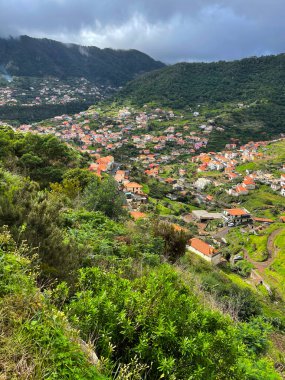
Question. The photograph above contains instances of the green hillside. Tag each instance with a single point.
(32, 57)
(190, 83)
(246, 95)
(36, 339)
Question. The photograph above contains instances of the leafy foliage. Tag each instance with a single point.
(256, 83)
(36, 340)
(43, 158)
(143, 316)
(187, 83)
(159, 320)
(104, 196)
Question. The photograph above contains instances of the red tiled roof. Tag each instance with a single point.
(105, 160)
(236, 211)
(202, 247)
(138, 215)
(240, 189)
(248, 181)
(133, 184)
(263, 220)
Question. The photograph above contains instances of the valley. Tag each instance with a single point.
(142, 216)
(161, 163)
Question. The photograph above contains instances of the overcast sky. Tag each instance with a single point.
(168, 30)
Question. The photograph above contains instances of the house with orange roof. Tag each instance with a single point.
(248, 183)
(263, 220)
(152, 172)
(238, 191)
(105, 163)
(204, 250)
(236, 216)
(133, 187)
(202, 168)
(138, 215)
(120, 176)
(232, 176)
(229, 169)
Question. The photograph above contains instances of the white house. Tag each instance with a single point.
(204, 250)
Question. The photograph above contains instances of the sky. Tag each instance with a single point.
(168, 30)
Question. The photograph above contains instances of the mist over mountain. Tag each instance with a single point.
(32, 57)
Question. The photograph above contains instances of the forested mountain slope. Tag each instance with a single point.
(246, 96)
(182, 84)
(32, 57)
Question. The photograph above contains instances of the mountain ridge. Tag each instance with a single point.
(183, 83)
(245, 97)
(27, 56)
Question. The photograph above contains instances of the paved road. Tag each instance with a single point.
(221, 234)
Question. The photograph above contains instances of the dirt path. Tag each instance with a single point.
(261, 266)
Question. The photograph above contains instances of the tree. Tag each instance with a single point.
(174, 240)
(69, 187)
(104, 196)
(83, 176)
(44, 231)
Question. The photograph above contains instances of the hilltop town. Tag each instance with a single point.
(31, 92)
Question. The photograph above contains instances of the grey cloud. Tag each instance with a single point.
(168, 30)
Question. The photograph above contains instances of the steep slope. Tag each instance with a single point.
(31, 57)
(36, 340)
(146, 318)
(187, 83)
(246, 97)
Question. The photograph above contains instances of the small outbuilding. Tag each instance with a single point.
(204, 250)
(205, 216)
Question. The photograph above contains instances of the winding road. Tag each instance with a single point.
(272, 251)
(256, 274)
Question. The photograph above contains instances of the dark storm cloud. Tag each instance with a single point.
(168, 30)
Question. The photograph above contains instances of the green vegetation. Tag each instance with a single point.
(147, 309)
(28, 114)
(247, 242)
(275, 274)
(102, 66)
(191, 83)
(257, 247)
(273, 156)
(207, 346)
(248, 166)
(245, 97)
(43, 158)
(264, 202)
(36, 339)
